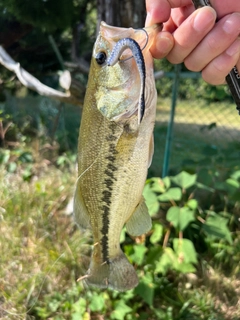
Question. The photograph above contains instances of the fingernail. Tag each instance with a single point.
(204, 18)
(163, 44)
(234, 49)
(232, 24)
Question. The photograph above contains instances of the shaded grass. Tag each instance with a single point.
(198, 126)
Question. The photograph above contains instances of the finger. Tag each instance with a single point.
(216, 71)
(170, 26)
(162, 45)
(217, 41)
(238, 65)
(190, 33)
(159, 10)
(178, 15)
(181, 14)
(225, 7)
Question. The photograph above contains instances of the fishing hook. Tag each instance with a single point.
(147, 37)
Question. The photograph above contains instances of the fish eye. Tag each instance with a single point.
(101, 57)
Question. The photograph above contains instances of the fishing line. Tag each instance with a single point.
(87, 168)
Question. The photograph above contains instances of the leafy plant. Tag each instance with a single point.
(195, 231)
(171, 202)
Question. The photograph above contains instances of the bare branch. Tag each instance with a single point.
(33, 83)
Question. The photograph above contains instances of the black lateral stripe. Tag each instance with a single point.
(107, 192)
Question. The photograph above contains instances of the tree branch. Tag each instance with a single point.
(33, 83)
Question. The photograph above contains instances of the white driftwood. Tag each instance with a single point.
(33, 83)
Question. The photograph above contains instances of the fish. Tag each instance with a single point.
(115, 149)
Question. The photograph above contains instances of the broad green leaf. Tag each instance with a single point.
(154, 253)
(151, 200)
(180, 217)
(192, 204)
(86, 316)
(166, 262)
(79, 307)
(184, 267)
(157, 233)
(174, 194)
(146, 289)
(186, 216)
(233, 183)
(158, 185)
(26, 157)
(184, 179)
(4, 156)
(173, 215)
(185, 250)
(54, 305)
(76, 316)
(12, 166)
(167, 182)
(97, 303)
(232, 187)
(120, 310)
(216, 227)
(138, 254)
(236, 175)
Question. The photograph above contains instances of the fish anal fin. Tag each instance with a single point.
(80, 212)
(117, 274)
(140, 221)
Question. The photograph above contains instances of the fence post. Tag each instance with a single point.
(167, 151)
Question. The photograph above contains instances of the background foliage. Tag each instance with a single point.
(188, 265)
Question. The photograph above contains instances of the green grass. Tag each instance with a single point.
(40, 249)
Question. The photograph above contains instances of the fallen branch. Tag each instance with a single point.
(33, 83)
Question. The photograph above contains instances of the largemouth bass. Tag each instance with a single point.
(114, 152)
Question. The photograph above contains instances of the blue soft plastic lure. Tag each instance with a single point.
(119, 48)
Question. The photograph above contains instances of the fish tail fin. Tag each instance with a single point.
(117, 274)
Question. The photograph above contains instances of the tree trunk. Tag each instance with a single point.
(125, 13)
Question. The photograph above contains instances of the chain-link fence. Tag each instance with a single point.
(202, 133)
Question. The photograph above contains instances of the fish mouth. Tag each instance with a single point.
(122, 83)
(139, 35)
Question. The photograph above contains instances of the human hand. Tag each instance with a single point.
(199, 42)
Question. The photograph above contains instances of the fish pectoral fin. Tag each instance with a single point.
(140, 221)
(80, 212)
(151, 151)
